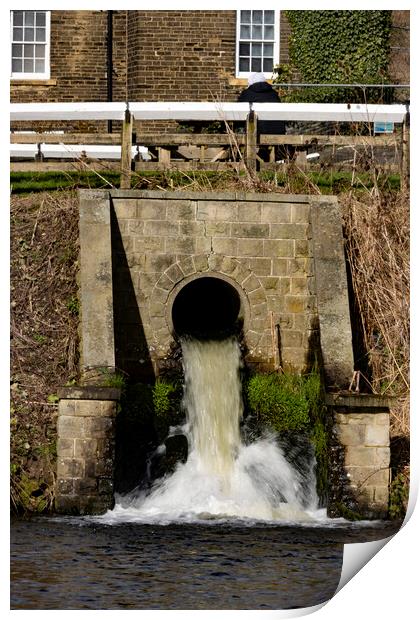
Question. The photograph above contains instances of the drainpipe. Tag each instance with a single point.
(109, 67)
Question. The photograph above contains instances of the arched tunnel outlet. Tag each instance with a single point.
(157, 264)
(206, 308)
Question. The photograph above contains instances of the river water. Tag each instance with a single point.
(237, 526)
(79, 563)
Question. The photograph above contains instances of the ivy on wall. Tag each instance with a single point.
(338, 47)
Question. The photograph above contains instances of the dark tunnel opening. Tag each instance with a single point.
(207, 308)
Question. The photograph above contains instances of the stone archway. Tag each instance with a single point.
(252, 311)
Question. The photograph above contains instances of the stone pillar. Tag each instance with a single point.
(360, 460)
(332, 292)
(96, 291)
(85, 450)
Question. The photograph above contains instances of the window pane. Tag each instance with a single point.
(29, 34)
(269, 17)
(40, 18)
(39, 51)
(257, 32)
(17, 65)
(28, 51)
(40, 35)
(28, 66)
(267, 65)
(256, 64)
(18, 18)
(39, 65)
(268, 49)
(268, 32)
(244, 64)
(245, 32)
(17, 34)
(257, 17)
(17, 50)
(245, 17)
(29, 18)
(256, 49)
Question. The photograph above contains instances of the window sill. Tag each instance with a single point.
(238, 81)
(26, 82)
(243, 81)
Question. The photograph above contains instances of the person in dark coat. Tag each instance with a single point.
(260, 91)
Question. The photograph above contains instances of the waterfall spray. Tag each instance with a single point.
(223, 478)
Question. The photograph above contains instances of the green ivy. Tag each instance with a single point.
(164, 397)
(338, 47)
(398, 496)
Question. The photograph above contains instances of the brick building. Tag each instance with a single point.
(155, 55)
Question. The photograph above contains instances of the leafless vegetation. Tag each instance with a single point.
(377, 232)
(44, 254)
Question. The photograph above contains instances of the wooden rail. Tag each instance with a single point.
(207, 151)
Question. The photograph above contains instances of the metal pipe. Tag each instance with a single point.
(109, 68)
(278, 84)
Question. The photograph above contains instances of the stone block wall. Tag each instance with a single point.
(85, 450)
(361, 453)
(260, 244)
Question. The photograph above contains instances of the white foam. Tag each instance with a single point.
(222, 479)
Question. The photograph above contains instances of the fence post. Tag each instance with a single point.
(251, 141)
(405, 156)
(126, 142)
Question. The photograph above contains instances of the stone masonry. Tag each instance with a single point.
(85, 450)
(283, 258)
(362, 452)
(261, 244)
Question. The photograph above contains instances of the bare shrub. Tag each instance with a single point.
(377, 239)
(44, 331)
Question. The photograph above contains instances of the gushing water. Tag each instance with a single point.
(223, 478)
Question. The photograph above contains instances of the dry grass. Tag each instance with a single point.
(44, 324)
(377, 232)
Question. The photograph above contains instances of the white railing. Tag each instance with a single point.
(187, 111)
(207, 111)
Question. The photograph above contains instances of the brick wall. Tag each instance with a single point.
(181, 55)
(399, 69)
(78, 65)
(157, 55)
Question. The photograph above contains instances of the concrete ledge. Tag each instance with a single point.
(180, 195)
(89, 393)
(359, 401)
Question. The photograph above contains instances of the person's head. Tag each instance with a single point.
(254, 78)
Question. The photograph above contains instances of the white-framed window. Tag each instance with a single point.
(257, 42)
(30, 45)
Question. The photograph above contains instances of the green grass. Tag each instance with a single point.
(25, 182)
(279, 401)
(331, 182)
(326, 182)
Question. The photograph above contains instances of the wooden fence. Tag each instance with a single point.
(126, 151)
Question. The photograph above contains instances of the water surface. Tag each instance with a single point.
(73, 563)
